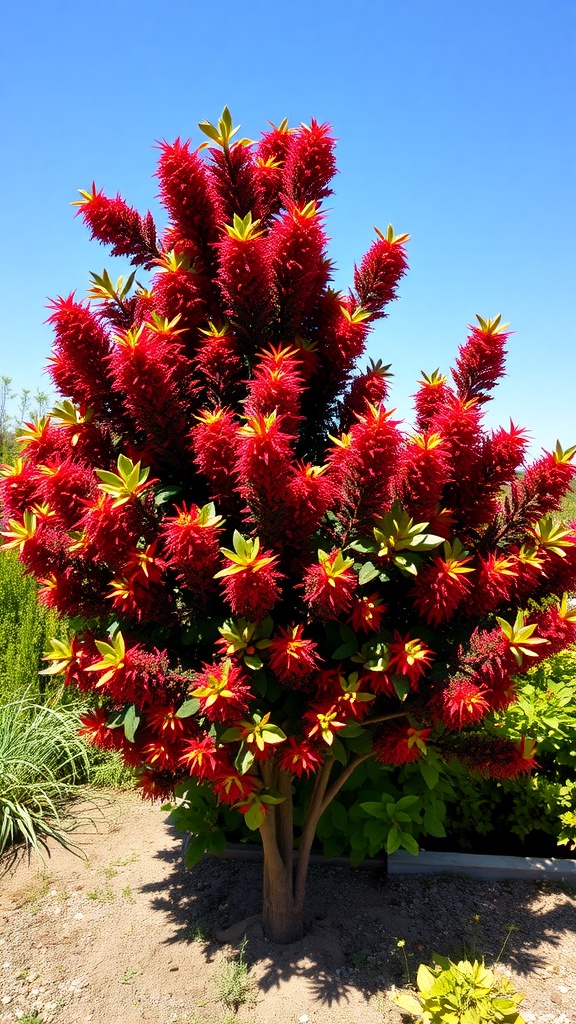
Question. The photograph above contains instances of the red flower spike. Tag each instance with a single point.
(191, 543)
(548, 479)
(115, 223)
(329, 586)
(202, 758)
(380, 271)
(292, 659)
(193, 205)
(218, 363)
(325, 721)
(401, 744)
(425, 472)
(431, 398)
(96, 731)
(409, 657)
(231, 787)
(440, 587)
(263, 464)
(245, 279)
(480, 362)
(150, 367)
(365, 466)
(296, 248)
(179, 291)
(215, 445)
(164, 722)
(223, 691)
(464, 702)
(251, 581)
(369, 388)
(156, 785)
(367, 613)
(309, 164)
(275, 388)
(78, 365)
(300, 758)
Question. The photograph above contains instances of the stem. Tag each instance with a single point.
(386, 718)
(308, 833)
(337, 785)
(284, 821)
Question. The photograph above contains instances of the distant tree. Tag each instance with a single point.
(273, 582)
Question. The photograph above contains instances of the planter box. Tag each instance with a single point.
(475, 865)
(479, 865)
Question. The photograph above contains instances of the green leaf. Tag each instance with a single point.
(347, 634)
(244, 760)
(131, 723)
(231, 735)
(217, 842)
(195, 850)
(338, 815)
(430, 774)
(254, 817)
(165, 494)
(272, 797)
(402, 686)
(351, 730)
(188, 708)
(345, 651)
(433, 825)
(357, 856)
(253, 662)
(406, 801)
(394, 840)
(367, 572)
(408, 1003)
(338, 751)
(361, 744)
(365, 545)
(375, 809)
(409, 843)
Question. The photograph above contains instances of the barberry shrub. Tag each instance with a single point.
(272, 581)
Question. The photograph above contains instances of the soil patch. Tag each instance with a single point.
(124, 935)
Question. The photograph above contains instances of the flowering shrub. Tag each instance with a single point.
(273, 581)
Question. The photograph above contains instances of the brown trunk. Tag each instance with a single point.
(284, 888)
(281, 921)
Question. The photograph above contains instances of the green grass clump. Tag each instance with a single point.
(42, 761)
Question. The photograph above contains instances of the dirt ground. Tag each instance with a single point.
(124, 935)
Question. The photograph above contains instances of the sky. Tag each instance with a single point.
(455, 122)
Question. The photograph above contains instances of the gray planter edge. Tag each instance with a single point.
(484, 866)
(473, 865)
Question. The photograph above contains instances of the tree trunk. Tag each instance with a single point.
(284, 888)
(283, 922)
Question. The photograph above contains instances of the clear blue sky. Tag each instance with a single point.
(455, 119)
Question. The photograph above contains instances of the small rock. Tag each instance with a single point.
(6, 1000)
(78, 917)
(562, 988)
(303, 1019)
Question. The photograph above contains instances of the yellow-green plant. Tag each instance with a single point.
(462, 993)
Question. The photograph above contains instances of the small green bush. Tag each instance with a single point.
(462, 993)
(25, 631)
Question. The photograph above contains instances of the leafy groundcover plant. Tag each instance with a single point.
(462, 993)
(276, 583)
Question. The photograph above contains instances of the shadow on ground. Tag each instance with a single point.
(356, 918)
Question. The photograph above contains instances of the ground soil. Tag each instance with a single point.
(125, 935)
